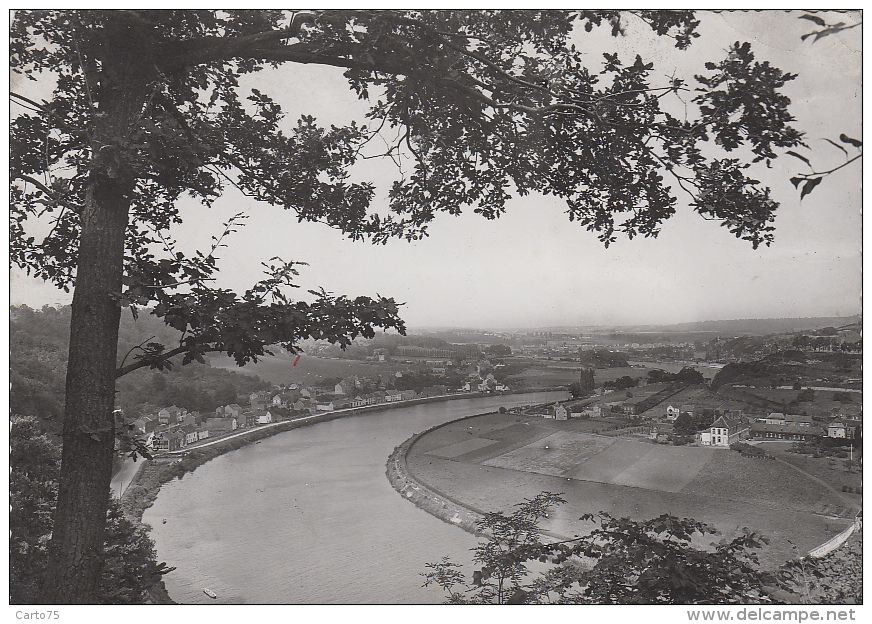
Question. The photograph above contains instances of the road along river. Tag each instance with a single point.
(308, 516)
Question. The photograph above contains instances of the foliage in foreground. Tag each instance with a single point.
(621, 561)
(130, 568)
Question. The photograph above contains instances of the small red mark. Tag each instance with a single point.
(297, 360)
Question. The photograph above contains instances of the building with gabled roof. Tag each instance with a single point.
(787, 431)
(726, 430)
(262, 416)
(562, 412)
(218, 426)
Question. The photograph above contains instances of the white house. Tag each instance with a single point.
(561, 412)
(838, 429)
(190, 434)
(726, 430)
(672, 413)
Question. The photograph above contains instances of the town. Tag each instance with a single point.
(796, 386)
(173, 427)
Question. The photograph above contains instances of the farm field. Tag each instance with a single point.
(829, 469)
(707, 372)
(698, 396)
(493, 462)
(821, 405)
(545, 373)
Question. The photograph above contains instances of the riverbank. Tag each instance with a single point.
(431, 499)
(143, 490)
(424, 497)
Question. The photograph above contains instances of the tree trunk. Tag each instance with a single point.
(75, 550)
(89, 428)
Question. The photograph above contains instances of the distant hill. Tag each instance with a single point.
(758, 327)
(38, 346)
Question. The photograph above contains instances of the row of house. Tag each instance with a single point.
(173, 427)
(733, 426)
(728, 429)
(381, 396)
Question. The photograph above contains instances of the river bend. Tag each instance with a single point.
(308, 516)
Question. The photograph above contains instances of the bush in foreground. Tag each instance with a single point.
(621, 561)
(130, 568)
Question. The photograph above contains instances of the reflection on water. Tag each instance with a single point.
(308, 516)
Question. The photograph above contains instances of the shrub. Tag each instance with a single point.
(646, 562)
(130, 567)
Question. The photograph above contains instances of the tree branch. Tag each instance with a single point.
(123, 370)
(820, 174)
(44, 109)
(132, 349)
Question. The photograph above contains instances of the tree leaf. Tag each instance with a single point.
(846, 139)
(800, 156)
(809, 186)
(796, 181)
(813, 18)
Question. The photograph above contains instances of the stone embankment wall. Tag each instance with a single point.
(831, 545)
(426, 497)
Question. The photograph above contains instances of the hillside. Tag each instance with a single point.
(759, 327)
(38, 345)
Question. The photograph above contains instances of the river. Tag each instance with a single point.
(308, 516)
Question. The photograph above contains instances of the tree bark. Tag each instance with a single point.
(89, 428)
(74, 569)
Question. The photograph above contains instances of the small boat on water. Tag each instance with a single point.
(210, 593)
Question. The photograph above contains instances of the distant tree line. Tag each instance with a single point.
(686, 375)
(622, 383)
(585, 384)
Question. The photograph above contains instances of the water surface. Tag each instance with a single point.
(308, 516)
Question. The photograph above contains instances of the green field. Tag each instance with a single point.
(492, 462)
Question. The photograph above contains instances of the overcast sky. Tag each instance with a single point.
(534, 268)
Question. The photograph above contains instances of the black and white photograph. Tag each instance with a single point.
(436, 306)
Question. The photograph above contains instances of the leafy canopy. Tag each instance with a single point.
(621, 561)
(486, 103)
